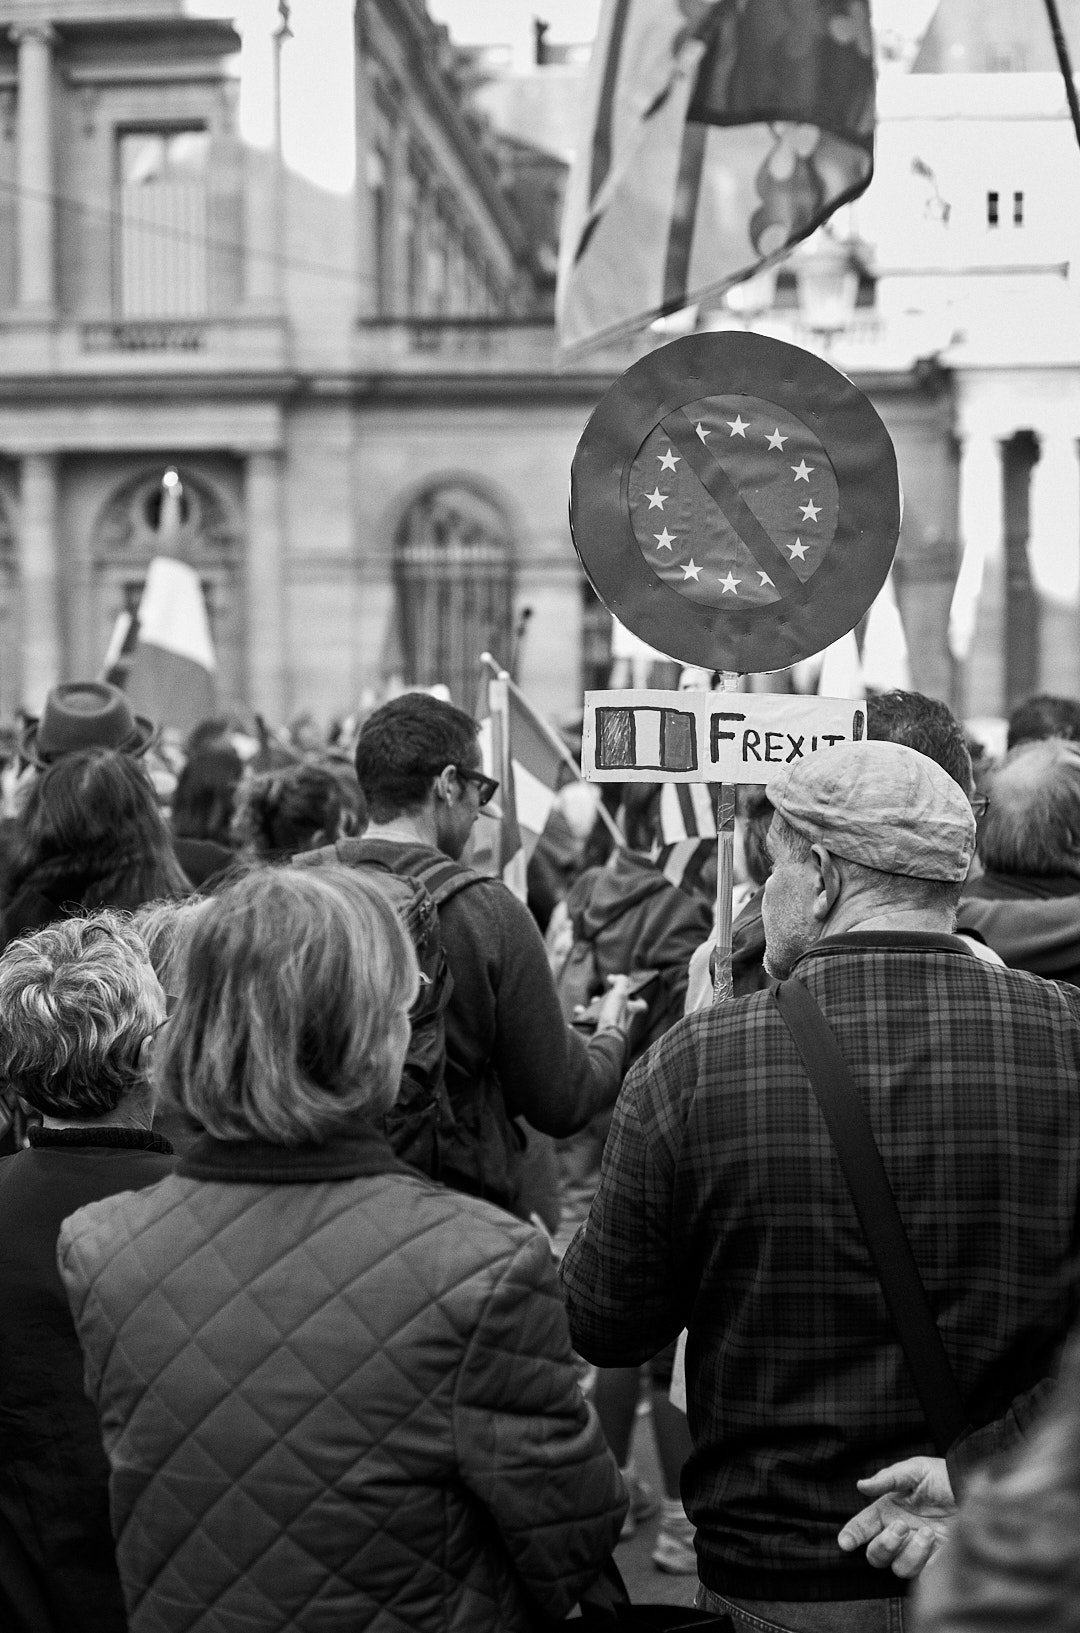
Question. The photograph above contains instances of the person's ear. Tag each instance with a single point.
(445, 785)
(828, 883)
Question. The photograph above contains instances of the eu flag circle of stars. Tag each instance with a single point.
(693, 539)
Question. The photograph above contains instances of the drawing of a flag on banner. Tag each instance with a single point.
(173, 672)
(518, 749)
(710, 147)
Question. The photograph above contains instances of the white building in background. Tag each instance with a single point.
(974, 215)
(329, 325)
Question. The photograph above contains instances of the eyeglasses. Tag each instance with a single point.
(980, 804)
(486, 787)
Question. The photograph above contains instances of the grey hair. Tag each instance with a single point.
(165, 928)
(77, 1001)
(1032, 824)
(291, 984)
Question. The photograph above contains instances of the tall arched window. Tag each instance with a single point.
(454, 576)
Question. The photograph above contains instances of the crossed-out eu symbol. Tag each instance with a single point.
(735, 502)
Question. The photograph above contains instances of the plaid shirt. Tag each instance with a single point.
(722, 1208)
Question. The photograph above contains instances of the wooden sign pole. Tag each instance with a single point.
(723, 986)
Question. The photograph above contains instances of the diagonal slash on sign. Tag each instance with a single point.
(719, 486)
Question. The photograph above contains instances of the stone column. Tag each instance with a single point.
(396, 187)
(38, 559)
(1054, 553)
(979, 598)
(267, 663)
(264, 199)
(36, 171)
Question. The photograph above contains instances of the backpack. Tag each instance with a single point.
(421, 1121)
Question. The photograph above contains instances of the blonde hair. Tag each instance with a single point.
(292, 984)
(76, 1002)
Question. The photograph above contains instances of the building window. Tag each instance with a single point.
(1018, 209)
(161, 223)
(454, 577)
(992, 200)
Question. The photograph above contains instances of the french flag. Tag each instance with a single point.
(173, 672)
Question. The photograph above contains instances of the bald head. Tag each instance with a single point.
(1033, 822)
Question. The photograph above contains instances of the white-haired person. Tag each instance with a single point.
(79, 1008)
(345, 1396)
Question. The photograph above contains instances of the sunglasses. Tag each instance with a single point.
(486, 787)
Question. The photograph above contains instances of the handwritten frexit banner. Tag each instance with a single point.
(641, 735)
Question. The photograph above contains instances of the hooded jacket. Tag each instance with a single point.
(635, 919)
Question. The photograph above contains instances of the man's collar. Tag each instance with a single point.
(895, 941)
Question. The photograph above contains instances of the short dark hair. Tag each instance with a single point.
(404, 745)
(1044, 716)
(924, 724)
(1033, 821)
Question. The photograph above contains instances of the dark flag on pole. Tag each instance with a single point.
(719, 133)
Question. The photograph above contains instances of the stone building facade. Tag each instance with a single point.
(272, 247)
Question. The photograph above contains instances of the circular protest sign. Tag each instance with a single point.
(735, 502)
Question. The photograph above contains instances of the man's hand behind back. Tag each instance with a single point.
(908, 1518)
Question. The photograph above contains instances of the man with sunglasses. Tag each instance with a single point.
(509, 1054)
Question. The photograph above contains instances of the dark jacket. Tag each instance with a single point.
(344, 1398)
(53, 1474)
(1032, 921)
(635, 919)
(509, 1053)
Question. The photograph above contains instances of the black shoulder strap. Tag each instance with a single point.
(444, 878)
(875, 1204)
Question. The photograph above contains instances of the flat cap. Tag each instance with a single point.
(880, 804)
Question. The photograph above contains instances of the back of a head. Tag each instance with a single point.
(404, 744)
(1044, 716)
(202, 805)
(1032, 824)
(924, 724)
(95, 812)
(279, 813)
(77, 1001)
(165, 928)
(262, 1047)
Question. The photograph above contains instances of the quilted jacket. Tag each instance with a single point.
(334, 1396)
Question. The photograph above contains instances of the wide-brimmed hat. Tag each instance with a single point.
(85, 714)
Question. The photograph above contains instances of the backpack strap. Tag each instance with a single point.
(445, 878)
(905, 1295)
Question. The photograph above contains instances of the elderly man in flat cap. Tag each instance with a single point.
(723, 1208)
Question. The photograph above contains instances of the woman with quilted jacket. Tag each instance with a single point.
(333, 1395)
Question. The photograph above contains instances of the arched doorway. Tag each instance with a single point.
(453, 570)
(125, 539)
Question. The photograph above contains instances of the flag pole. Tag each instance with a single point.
(723, 984)
(1062, 49)
(498, 673)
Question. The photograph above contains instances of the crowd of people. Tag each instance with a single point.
(351, 1208)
